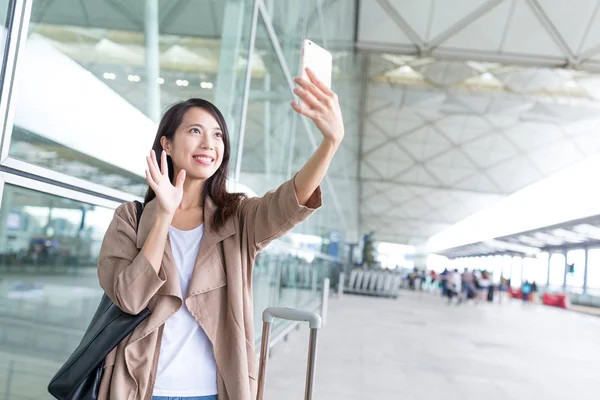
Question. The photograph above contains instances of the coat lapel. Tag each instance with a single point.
(171, 286)
(209, 270)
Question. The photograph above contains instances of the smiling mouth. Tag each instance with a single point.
(204, 159)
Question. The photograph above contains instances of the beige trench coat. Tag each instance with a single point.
(219, 294)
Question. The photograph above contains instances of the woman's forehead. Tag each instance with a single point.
(197, 115)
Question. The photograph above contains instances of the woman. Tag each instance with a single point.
(191, 259)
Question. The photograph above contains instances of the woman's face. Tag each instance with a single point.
(197, 145)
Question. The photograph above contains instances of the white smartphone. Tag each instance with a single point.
(319, 60)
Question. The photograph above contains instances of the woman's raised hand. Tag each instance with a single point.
(169, 197)
(320, 104)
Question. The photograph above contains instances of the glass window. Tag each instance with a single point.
(48, 284)
(516, 271)
(557, 271)
(535, 270)
(84, 98)
(506, 262)
(542, 276)
(4, 5)
(593, 275)
(290, 19)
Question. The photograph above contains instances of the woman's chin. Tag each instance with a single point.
(201, 175)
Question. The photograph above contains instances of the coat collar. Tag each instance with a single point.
(209, 270)
(151, 210)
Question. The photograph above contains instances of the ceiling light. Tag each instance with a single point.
(160, 81)
(487, 76)
(206, 85)
(133, 78)
(405, 69)
(109, 76)
(181, 82)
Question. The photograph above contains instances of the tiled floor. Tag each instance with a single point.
(419, 348)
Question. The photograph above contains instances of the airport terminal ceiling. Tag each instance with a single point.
(468, 102)
(464, 102)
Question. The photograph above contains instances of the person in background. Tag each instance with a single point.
(433, 278)
(468, 288)
(454, 288)
(534, 291)
(443, 278)
(502, 290)
(483, 283)
(491, 287)
(526, 292)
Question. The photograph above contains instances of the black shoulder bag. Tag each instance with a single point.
(80, 376)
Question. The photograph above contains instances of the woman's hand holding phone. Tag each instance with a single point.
(169, 196)
(320, 104)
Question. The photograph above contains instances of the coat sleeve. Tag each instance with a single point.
(267, 218)
(124, 273)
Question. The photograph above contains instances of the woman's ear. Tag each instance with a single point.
(166, 145)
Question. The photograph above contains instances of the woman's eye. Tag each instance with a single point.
(195, 130)
(219, 134)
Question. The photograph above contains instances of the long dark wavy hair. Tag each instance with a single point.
(215, 187)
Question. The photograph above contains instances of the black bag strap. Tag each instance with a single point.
(140, 209)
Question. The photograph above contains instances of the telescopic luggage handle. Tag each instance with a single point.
(289, 314)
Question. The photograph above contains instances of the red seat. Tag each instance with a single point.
(556, 300)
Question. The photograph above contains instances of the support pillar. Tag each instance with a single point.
(151, 24)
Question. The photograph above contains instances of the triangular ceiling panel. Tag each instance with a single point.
(372, 142)
(588, 143)
(406, 122)
(381, 168)
(450, 175)
(374, 130)
(371, 189)
(558, 10)
(379, 65)
(425, 143)
(399, 193)
(417, 175)
(448, 72)
(415, 12)
(515, 174)
(448, 13)
(526, 34)
(387, 93)
(441, 199)
(420, 190)
(471, 104)
(502, 121)
(485, 33)
(381, 27)
(490, 149)
(368, 171)
(426, 135)
(464, 122)
(592, 38)
(452, 159)
(416, 208)
(508, 107)
(390, 160)
(377, 105)
(423, 100)
(557, 156)
(478, 182)
(533, 135)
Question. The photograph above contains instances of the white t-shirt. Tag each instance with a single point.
(186, 363)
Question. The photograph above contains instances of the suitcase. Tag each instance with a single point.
(289, 314)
